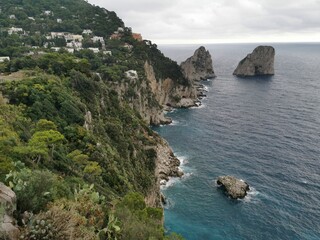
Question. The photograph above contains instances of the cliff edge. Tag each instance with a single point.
(259, 62)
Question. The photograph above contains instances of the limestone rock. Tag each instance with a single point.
(235, 188)
(199, 66)
(8, 229)
(186, 103)
(259, 62)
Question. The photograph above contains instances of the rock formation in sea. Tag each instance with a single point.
(259, 62)
(8, 228)
(235, 188)
(199, 66)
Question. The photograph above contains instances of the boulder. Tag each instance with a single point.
(235, 188)
(199, 66)
(259, 62)
(8, 228)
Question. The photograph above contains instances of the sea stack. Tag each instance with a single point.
(199, 66)
(234, 188)
(259, 62)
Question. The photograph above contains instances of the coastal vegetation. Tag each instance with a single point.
(78, 155)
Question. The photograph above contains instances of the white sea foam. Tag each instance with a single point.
(198, 107)
(172, 181)
(251, 195)
(174, 123)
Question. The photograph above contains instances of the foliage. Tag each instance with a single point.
(44, 122)
(35, 189)
(137, 220)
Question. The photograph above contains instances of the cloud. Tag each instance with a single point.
(219, 20)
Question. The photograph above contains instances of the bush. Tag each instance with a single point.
(35, 189)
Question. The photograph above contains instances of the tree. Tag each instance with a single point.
(49, 138)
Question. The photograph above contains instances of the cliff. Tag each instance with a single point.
(259, 62)
(199, 66)
(168, 92)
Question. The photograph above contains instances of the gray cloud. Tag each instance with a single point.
(220, 20)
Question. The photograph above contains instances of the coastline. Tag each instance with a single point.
(168, 165)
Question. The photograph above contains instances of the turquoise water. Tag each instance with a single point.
(263, 130)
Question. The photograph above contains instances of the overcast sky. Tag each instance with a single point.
(212, 21)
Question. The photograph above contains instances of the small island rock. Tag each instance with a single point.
(199, 66)
(235, 188)
(259, 62)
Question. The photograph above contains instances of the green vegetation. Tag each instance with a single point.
(73, 148)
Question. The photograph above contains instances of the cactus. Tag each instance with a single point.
(40, 229)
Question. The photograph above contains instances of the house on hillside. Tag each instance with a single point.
(47, 13)
(107, 53)
(59, 20)
(12, 16)
(13, 30)
(3, 59)
(97, 39)
(137, 36)
(95, 50)
(87, 32)
(115, 36)
(73, 37)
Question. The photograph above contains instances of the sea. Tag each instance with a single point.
(264, 130)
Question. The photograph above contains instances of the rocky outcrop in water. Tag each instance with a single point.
(235, 188)
(259, 62)
(8, 228)
(199, 66)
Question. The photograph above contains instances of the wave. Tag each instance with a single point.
(174, 123)
(251, 195)
(199, 107)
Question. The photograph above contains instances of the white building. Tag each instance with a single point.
(12, 16)
(74, 44)
(95, 50)
(87, 31)
(97, 39)
(73, 37)
(70, 50)
(2, 59)
(56, 48)
(13, 30)
(47, 13)
(31, 18)
(59, 20)
(57, 35)
(107, 53)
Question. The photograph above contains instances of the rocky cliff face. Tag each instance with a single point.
(150, 96)
(8, 228)
(259, 62)
(169, 93)
(199, 66)
(167, 165)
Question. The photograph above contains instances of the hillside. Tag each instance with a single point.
(78, 91)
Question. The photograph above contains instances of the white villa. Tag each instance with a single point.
(13, 30)
(95, 50)
(97, 39)
(87, 31)
(2, 59)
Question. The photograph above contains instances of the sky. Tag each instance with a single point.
(219, 21)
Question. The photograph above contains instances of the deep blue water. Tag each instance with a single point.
(263, 130)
